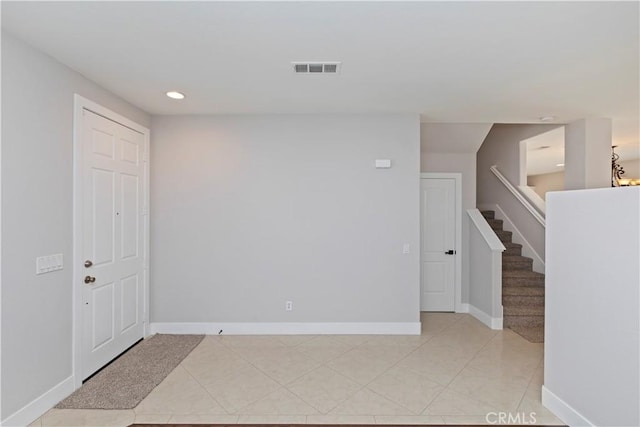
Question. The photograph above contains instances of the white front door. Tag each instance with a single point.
(113, 236)
(437, 197)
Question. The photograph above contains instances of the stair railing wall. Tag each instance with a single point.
(519, 196)
(533, 197)
(485, 263)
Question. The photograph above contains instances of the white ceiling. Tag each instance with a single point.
(473, 62)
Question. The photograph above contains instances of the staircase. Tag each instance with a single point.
(522, 288)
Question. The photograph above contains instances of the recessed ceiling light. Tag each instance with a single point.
(175, 95)
(547, 118)
(560, 164)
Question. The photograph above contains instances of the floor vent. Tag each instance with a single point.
(316, 67)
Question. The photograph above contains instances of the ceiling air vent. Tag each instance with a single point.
(316, 67)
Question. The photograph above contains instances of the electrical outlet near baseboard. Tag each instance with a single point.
(288, 306)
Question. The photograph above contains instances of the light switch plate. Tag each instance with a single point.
(49, 263)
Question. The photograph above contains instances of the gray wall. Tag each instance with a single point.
(587, 154)
(37, 125)
(250, 211)
(502, 148)
(592, 310)
(464, 163)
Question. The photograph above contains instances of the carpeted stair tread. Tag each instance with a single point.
(532, 334)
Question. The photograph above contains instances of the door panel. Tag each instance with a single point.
(129, 214)
(435, 276)
(102, 213)
(129, 292)
(113, 238)
(130, 152)
(103, 143)
(438, 237)
(102, 319)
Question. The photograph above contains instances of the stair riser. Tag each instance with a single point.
(523, 311)
(488, 214)
(512, 251)
(523, 275)
(533, 291)
(523, 301)
(504, 236)
(496, 224)
(528, 321)
(518, 281)
(517, 265)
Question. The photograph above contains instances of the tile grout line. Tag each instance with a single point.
(399, 361)
(467, 364)
(462, 369)
(529, 383)
(205, 389)
(284, 386)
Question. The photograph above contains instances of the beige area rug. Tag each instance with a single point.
(131, 377)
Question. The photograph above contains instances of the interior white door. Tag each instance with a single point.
(113, 180)
(438, 238)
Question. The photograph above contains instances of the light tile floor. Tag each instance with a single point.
(456, 372)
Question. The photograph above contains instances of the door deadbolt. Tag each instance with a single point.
(89, 279)
(88, 263)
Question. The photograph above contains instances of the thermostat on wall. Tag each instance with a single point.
(383, 163)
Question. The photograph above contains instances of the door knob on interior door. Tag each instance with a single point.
(88, 263)
(89, 279)
(450, 252)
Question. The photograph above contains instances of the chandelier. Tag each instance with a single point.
(617, 171)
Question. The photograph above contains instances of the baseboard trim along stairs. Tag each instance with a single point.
(522, 288)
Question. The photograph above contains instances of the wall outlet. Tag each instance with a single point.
(405, 248)
(288, 306)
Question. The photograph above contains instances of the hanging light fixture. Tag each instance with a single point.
(617, 171)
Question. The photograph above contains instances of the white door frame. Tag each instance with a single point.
(457, 177)
(79, 104)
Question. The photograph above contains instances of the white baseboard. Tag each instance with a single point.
(35, 409)
(288, 328)
(527, 249)
(492, 322)
(562, 410)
